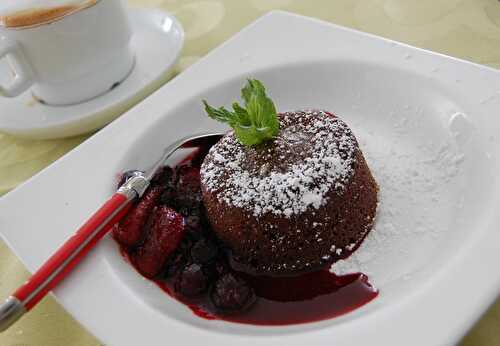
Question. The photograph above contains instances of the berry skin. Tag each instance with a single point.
(163, 239)
(188, 189)
(168, 197)
(192, 281)
(166, 179)
(175, 264)
(232, 294)
(203, 251)
(193, 222)
(221, 267)
(130, 230)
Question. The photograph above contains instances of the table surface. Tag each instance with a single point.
(468, 29)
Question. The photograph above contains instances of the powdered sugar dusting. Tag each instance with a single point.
(314, 153)
(416, 177)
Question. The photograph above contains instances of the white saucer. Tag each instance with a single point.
(158, 40)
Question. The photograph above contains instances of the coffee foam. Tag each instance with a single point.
(22, 13)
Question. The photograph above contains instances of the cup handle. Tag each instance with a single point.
(22, 72)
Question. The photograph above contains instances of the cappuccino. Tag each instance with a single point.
(29, 13)
(82, 53)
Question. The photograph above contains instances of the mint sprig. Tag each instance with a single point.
(253, 124)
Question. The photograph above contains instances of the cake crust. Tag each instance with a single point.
(293, 204)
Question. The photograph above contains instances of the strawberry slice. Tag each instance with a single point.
(164, 237)
(130, 230)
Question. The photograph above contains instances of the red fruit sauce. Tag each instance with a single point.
(307, 298)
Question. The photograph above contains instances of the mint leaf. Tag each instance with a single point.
(253, 124)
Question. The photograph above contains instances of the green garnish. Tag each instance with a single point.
(253, 124)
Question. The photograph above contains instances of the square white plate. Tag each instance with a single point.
(428, 125)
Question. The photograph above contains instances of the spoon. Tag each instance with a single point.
(60, 264)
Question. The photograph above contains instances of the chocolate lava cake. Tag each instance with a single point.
(292, 204)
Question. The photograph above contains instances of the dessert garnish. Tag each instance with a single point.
(253, 124)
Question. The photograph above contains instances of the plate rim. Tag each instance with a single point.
(477, 305)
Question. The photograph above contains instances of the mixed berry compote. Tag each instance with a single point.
(168, 239)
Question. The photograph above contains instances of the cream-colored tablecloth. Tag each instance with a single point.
(469, 29)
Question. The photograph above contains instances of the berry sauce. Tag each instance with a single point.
(196, 270)
(306, 298)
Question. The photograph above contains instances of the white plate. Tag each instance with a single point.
(157, 42)
(428, 124)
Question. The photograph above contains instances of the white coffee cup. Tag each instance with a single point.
(66, 51)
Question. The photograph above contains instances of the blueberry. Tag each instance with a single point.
(192, 281)
(175, 265)
(232, 294)
(210, 272)
(168, 197)
(216, 268)
(221, 267)
(186, 245)
(164, 176)
(203, 251)
(188, 187)
(192, 219)
(188, 202)
(204, 222)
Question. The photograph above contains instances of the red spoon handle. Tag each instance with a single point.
(73, 250)
(60, 264)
